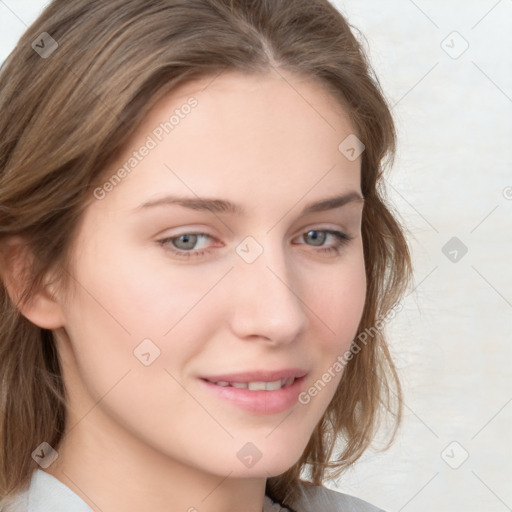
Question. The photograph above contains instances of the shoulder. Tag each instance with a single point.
(45, 493)
(16, 503)
(316, 497)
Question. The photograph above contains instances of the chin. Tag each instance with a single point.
(276, 463)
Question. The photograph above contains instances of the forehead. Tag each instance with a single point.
(267, 135)
(275, 87)
(233, 97)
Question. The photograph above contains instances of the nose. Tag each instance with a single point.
(266, 301)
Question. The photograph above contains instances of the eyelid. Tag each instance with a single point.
(196, 230)
(341, 236)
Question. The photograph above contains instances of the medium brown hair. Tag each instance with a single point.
(64, 118)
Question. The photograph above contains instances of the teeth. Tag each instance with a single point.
(259, 386)
(262, 386)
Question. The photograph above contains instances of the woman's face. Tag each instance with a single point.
(166, 295)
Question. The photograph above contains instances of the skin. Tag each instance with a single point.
(152, 437)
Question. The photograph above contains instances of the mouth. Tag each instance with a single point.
(261, 396)
(256, 385)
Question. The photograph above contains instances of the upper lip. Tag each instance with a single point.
(258, 376)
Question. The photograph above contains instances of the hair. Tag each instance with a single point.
(66, 116)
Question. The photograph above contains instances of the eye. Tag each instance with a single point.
(342, 239)
(189, 240)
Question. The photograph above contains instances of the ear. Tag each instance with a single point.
(42, 308)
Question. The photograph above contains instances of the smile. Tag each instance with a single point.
(258, 386)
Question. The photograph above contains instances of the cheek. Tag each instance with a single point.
(340, 302)
(109, 315)
(338, 309)
(122, 291)
(122, 301)
(105, 330)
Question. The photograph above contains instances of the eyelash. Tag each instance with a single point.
(343, 239)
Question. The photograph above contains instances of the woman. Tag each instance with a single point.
(193, 242)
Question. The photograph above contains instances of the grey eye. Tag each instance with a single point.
(190, 240)
(316, 237)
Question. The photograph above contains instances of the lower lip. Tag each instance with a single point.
(261, 402)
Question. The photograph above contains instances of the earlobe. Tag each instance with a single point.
(42, 308)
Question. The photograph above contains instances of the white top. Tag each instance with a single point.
(48, 494)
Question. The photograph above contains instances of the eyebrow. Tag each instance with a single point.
(224, 206)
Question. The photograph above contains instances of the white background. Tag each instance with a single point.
(452, 340)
